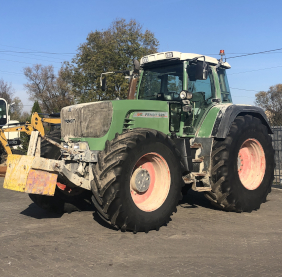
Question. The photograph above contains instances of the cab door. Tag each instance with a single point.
(203, 91)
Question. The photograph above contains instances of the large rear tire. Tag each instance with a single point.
(242, 166)
(137, 180)
(64, 200)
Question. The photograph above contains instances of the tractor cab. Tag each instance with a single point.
(190, 83)
(165, 75)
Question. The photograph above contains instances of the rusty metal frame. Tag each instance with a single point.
(19, 167)
(58, 166)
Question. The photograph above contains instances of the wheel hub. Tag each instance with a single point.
(251, 164)
(239, 162)
(150, 182)
(140, 180)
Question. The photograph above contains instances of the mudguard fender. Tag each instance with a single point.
(228, 114)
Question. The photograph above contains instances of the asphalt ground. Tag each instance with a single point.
(199, 241)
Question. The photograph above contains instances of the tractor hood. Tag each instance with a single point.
(86, 120)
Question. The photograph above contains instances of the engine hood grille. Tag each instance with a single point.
(86, 120)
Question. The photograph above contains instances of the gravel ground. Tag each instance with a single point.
(199, 241)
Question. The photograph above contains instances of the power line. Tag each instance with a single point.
(240, 53)
(238, 96)
(17, 47)
(19, 62)
(246, 89)
(255, 53)
(255, 70)
(35, 52)
(35, 58)
(53, 58)
(10, 72)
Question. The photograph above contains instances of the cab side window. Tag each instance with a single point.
(150, 85)
(224, 86)
(203, 89)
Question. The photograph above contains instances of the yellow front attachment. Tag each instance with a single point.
(18, 167)
(20, 176)
(41, 182)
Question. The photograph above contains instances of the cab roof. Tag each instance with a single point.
(175, 55)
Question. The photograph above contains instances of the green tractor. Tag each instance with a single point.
(177, 130)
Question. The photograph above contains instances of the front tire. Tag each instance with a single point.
(137, 180)
(242, 166)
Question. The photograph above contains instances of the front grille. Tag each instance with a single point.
(86, 120)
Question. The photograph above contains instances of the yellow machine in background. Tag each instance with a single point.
(19, 175)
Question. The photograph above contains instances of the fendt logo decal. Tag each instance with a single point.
(151, 114)
(70, 120)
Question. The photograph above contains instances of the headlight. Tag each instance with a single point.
(182, 94)
(189, 95)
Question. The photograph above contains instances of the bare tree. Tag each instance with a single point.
(64, 97)
(6, 91)
(271, 102)
(44, 86)
(16, 109)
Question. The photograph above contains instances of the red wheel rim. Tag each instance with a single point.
(158, 185)
(251, 164)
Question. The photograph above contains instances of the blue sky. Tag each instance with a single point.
(202, 27)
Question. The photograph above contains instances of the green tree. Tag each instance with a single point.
(110, 50)
(271, 102)
(36, 108)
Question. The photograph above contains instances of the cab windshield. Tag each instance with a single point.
(162, 83)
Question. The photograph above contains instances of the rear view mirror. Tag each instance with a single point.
(201, 71)
(104, 84)
(136, 66)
